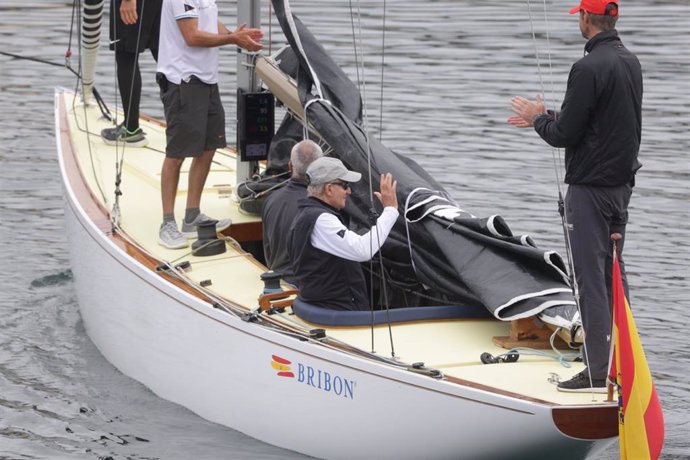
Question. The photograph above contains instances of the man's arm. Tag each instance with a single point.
(331, 236)
(243, 37)
(567, 128)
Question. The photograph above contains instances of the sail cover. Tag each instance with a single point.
(436, 246)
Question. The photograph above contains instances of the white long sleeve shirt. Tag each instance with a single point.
(331, 236)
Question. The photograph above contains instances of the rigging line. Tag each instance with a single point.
(77, 4)
(363, 91)
(365, 112)
(361, 83)
(120, 147)
(42, 61)
(555, 153)
(556, 156)
(115, 218)
(359, 87)
(558, 161)
(383, 66)
(382, 284)
(365, 118)
(354, 46)
(548, 55)
(136, 65)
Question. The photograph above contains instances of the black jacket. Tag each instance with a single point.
(277, 216)
(600, 121)
(324, 280)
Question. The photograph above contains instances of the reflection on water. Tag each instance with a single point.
(450, 68)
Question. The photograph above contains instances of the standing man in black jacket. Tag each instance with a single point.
(600, 126)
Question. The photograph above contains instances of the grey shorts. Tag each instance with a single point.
(195, 117)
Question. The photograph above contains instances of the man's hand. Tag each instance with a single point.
(387, 196)
(248, 39)
(525, 110)
(128, 12)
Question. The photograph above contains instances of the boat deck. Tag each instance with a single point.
(451, 346)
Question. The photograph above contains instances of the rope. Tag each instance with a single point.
(120, 147)
(77, 5)
(42, 61)
(383, 66)
(563, 359)
(557, 160)
(361, 80)
(555, 153)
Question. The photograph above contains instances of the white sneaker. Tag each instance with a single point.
(189, 229)
(170, 237)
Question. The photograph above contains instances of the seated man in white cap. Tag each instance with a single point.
(325, 255)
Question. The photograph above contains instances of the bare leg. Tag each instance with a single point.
(197, 177)
(170, 177)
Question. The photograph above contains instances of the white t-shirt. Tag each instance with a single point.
(331, 236)
(176, 60)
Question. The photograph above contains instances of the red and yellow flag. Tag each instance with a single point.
(640, 420)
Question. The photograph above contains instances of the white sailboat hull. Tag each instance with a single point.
(336, 405)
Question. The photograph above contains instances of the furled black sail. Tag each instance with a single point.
(437, 247)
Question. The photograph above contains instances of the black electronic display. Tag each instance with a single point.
(255, 124)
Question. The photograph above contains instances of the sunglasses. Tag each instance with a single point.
(344, 185)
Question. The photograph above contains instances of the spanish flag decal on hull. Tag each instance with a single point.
(282, 365)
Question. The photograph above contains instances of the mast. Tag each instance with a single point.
(249, 12)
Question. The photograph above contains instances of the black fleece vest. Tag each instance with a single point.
(324, 280)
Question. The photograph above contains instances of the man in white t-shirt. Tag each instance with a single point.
(188, 79)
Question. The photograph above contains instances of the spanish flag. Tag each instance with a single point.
(640, 420)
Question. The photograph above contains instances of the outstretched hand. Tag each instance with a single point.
(388, 196)
(248, 39)
(525, 110)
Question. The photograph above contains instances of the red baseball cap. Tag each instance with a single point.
(595, 7)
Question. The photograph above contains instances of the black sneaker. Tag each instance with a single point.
(580, 384)
(120, 135)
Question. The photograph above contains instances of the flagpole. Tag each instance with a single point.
(615, 237)
(640, 417)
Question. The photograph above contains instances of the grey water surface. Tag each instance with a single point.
(450, 68)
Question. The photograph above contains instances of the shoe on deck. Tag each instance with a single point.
(189, 229)
(170, 237)
(120, 135)
(580, 384)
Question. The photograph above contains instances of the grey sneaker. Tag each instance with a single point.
(189, 229)
(170, 237)
(120, 135)
(580, 384)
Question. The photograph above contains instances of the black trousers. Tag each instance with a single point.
(127, 41)
(593, 214)
(129, 83)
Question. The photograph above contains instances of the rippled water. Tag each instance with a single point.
(450, 68)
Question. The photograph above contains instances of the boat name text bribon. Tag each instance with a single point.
(317, 378)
